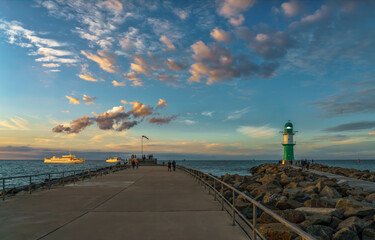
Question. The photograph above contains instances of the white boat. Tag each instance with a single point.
(64, 159)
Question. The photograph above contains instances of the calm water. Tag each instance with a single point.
(12, 168)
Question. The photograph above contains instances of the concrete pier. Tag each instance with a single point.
(147, 203)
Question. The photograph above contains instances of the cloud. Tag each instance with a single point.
(238, 114)
(88, 99)
(189, 122)
(118, 84)
(231, 9)
(134, 78)
(87, 78)
(291, 8)
(73, 100)
(162, 120)
(140, 65)
(124, 101)
(127, 125)
(140, 110)
(50, 65)
(220, 35)
(15, 123)
(351, 126)
(266, 42)
(167, 43)
(104, 59)
(175, 66)
(76, 125)
(168, 79)
(162, 103)
(217, 64)
(257, 132)
(207, 113)
(324, 13)
(182, 14)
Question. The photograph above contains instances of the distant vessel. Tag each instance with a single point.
(64, 159)
(113, 160)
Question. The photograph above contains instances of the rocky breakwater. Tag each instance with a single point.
(353, 173)
(317, 204)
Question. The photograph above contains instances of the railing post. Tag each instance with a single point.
(255, 220)
(209, 187)
(49, 181)
(214, 189)
(3, 189)
(222, 196)
(233, 210)
(30, 185)
(74, 177)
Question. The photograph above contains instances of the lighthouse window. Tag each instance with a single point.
(288, 127)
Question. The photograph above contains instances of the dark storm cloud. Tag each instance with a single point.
(352, 126)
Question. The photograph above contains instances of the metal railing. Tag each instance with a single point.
(65, 176)
(214, 184)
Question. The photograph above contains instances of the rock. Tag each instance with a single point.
(320, 185)
(335, 221)
(271, 187)
(228, 194)
(276, 231)
(241, 203)
(329, 192)
(370, 197)
(271, 198)
(345, 234)
(252, 186)
(267, 178)
(292, 216)
(237, 185)
(353, 223)
(319, 203)
(368, 234)
(283, 204)
(320, 232)
(265, 218)
(293, 193)
(322, 211)
(351, 207)
(355, 191)
(310, 189)
(291, 185)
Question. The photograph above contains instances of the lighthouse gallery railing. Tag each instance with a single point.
(250, 227)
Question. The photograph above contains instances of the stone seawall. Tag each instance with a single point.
(353, 173)
(317, 204)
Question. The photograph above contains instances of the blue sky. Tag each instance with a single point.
(215, 80)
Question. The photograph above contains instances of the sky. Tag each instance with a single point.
(201, 79)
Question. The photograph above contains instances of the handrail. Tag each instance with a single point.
(253, 226)
(81, 172)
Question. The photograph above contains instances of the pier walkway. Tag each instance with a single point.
(147, 203)
(365, 185)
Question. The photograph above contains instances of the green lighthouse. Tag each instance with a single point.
(288, 143)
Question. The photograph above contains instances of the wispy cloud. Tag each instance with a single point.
(232, 10)
(118, 84)
(257, 132)
(167, 43)
(162, 103)
(72, 100)
(189, 122)
(207, 113)
(238, 114)
(352, 126)
(104, 59)
(220, 35)
(88, 99)
(15, 123)
(87, 78)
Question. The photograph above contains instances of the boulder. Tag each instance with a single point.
(351, 207)
(252, 186)
(370, 198)
(267, 178)
(271, 198)
(310, 189)
(335, 221)
(329, 192)
(345, 234)
(291, 185)
(237, 184)
(368, 234)
(292, 216)
(320, 185)
(321, 211)
(276, 231)
(353, 223)
(265, 218)
(293, 193)
(283, 204)
(320, 232)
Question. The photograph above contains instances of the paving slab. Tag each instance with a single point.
(147, 203)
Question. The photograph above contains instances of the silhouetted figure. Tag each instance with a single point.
(174, 165)
(169, 166)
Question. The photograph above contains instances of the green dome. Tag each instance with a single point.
(288, 124)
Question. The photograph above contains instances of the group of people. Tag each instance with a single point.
(135, 164)
(170, 165)
(305, 164)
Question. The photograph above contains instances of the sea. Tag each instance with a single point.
(19, 168)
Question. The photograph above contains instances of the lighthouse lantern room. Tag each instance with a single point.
(288, 143)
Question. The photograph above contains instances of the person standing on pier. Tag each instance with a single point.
(169, 166)
(174, 165)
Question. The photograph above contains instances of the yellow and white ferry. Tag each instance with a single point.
(113, 160)
(64, 159)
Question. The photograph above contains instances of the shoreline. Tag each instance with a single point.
(319, 205)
